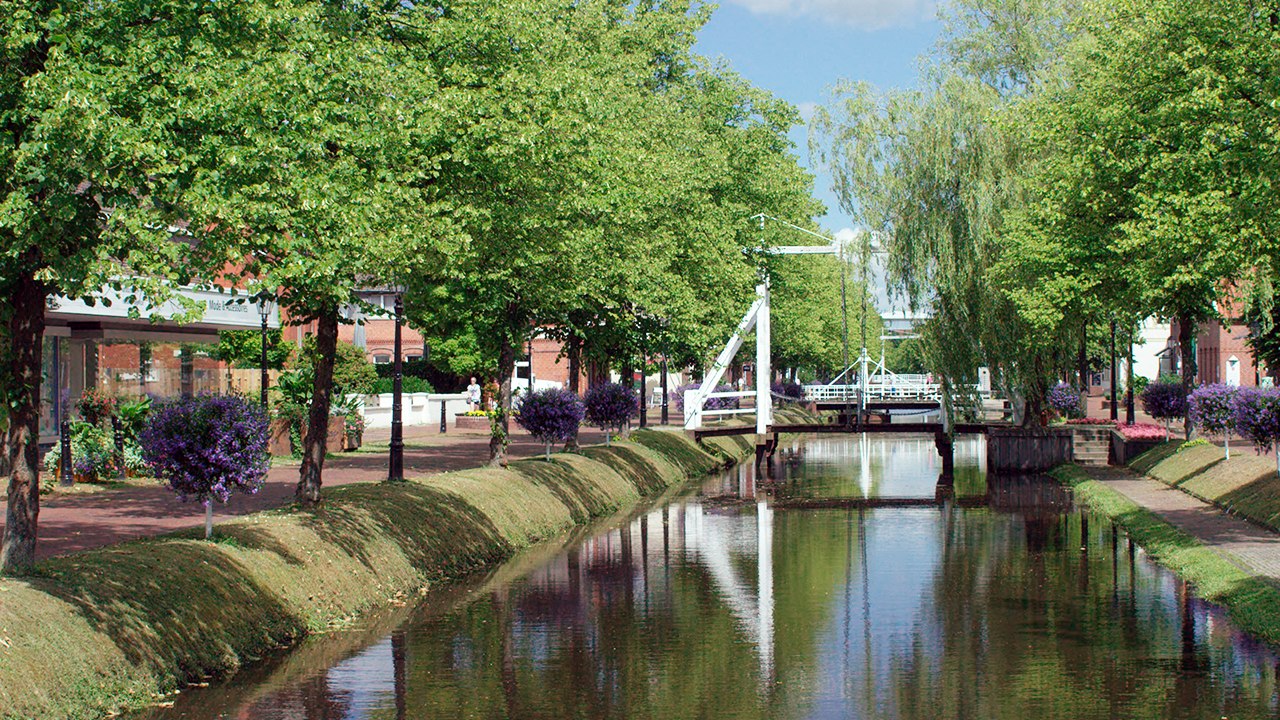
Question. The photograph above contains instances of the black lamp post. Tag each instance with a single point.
(529, 347)
(1129, 414)
(1115, 377)
(666, 416)
(644, 388)
(264, 310)
(395, 468)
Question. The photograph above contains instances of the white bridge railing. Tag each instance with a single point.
(903, 387)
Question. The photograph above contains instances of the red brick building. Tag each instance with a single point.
(1222, 354)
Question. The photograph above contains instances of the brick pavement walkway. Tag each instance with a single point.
(71, 523)
(1253, 548)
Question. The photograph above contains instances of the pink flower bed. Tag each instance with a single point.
(1088, 421)
(1141, 431)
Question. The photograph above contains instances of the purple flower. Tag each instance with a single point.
(712, 403)
(1257, 415)
(1063, 398)
(791, 390)
(1165, 401)
(208, 446)
(611, 405)
(551, 415)
(1212, 408)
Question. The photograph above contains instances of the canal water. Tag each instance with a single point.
(850, 584)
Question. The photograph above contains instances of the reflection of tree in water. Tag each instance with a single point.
(1026, 623)
(310, 699)
(602, 634)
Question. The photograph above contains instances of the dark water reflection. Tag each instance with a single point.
(724, 604)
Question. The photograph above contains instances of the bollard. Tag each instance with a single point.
(444, 424)
(64, 438)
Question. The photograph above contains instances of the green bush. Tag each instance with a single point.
(409, 384)
(93, 453)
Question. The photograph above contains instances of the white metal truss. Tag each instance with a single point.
(757, 318)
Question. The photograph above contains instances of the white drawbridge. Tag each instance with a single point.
(757, 318)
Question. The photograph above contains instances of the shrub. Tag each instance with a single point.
(93, 453)
(208, 446)
(1257, 417)
(95, 406)
(713, 403)
(551, 415)
(1064, 398)
(610, 406)
(1212, 409)
(788, 390)
(133, 417)
(1088, 421)
(1141, 431)
(408, 384)
(1165, 401)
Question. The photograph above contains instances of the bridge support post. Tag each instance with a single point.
(764, 401)
(947, 450)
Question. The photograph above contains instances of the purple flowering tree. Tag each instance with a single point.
(206, 447)
(1212, 410)
(1063, 398)
(1257, 417)
(712, 403)
(1165, 401)
(788, 390)
(551, 416)
(611, 406)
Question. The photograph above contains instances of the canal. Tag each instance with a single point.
(851, 585)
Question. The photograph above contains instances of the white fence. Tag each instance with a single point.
(416, 408)
(900, 387)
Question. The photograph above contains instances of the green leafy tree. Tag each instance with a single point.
(89, 127)
(314, 171)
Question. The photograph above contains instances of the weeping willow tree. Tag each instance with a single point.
(938, 172)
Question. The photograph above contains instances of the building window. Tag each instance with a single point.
(381, 359)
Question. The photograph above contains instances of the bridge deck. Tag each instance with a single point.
(821, 428)
(880, 404)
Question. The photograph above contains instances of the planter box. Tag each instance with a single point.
(1021, 450)
(279, 444)
(1123, 450)
(351, 441)
(335, 437)
(471, 424)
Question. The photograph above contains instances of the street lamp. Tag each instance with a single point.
(264, 310)
(395, 467)
(395, 463)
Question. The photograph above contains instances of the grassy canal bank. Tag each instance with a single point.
(1238, 486)
(100, 631)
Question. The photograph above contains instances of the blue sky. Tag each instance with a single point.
(797, 49)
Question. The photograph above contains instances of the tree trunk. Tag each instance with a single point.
(575, 365)
(498, 439)
(26, 335)
(317, 436)
(1082, 367)
(1187, 349)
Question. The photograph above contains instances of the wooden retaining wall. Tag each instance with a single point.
(1020, 450)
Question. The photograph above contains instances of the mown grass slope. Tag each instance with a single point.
(113, 628)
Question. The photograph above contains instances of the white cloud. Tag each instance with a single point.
(806, 110)
(862, 14)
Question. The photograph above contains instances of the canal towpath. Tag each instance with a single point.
(73, 522)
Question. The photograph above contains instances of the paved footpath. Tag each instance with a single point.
(74, 522)
(1254, 548)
